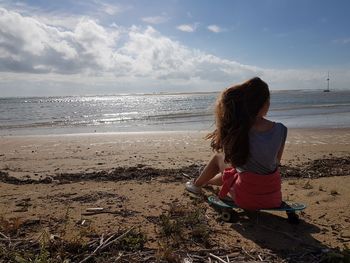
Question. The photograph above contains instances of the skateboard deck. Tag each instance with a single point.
(285, 206)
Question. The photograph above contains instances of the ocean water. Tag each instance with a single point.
(160, 112)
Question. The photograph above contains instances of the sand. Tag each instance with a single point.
(35, 156)
(137, 177)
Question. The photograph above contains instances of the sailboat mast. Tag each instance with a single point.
(328, 81)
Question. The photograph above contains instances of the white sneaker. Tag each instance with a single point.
(192, 188)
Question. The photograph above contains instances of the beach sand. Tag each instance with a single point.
(48, 182)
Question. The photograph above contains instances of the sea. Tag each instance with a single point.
(161, 112)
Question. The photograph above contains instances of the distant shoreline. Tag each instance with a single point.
(162, 93)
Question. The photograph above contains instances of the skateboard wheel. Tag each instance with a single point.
(293, 218)
(226, 216)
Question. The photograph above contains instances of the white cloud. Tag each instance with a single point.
(155, 19)
(42, 58)
(112, 10)
(215, 28)
(69, 15)
(187, 27)
(28, 45)
(67, 21)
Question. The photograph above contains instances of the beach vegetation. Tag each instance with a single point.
(182, 226)
(133, 241)
(167, 253)
(72, 243)
(10, 226)
(184, 222)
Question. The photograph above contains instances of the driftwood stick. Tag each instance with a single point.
(93, 253)
(14, 239)
(245, 252)
(105, 244)
(99, 212)
(119, 257)
(101, 240)
(186, 175)
(4, 236)
(107, 240)
(119, 237)
(94, 209)
(198, 257)
(217, 258)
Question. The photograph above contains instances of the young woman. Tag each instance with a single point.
(248, 148)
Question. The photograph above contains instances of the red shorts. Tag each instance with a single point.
(252, 191)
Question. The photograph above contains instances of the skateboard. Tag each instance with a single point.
(226, 208)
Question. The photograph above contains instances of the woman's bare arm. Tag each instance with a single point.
(280, 153)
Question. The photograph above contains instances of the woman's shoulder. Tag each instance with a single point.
(268, 127)
(282, 130)
(263, 125)
(274, 124)
(281, 126)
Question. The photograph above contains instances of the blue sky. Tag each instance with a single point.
(108, 47)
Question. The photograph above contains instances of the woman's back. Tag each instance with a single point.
(264, 146)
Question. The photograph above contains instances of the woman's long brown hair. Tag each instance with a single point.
(236, 111)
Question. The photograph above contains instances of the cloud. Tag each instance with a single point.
(187, 27)
(67, 15)
(59, 18)
(112, 10)
(215, 29)
(99, 59)
(66, 21)
(155, 19)
(31, 46)
(28, 45)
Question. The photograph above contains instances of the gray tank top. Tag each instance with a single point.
(264, 147)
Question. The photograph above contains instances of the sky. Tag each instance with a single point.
(88, 47)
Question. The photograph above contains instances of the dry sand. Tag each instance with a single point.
(136, 177)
